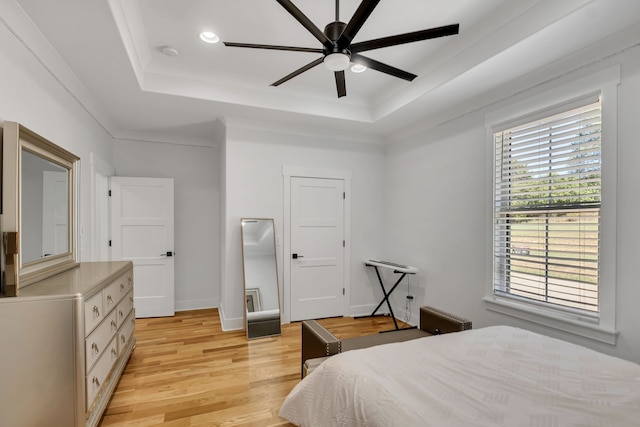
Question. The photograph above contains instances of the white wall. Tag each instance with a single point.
(440, 178)
(31, 96)
(196, 211)
(254, 188)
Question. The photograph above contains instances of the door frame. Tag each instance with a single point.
(301, 172)
(100, 215)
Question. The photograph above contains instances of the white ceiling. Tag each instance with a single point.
(113, 47)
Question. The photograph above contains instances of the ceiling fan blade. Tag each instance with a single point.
(448, 30)
(340, 84)
(272, 47)
(383, 68)
(298, 71)
(306, 22)
(356, 22)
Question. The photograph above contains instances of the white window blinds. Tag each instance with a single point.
(547, 199)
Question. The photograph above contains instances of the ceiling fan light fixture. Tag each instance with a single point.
(358, 68)
(209, 37)
(337, 61)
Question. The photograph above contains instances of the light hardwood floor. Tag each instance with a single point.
(186, 372)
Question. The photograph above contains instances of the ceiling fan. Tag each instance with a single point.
(338, 51)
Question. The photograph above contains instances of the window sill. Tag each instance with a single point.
(551, 320)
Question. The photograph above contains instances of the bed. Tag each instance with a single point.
(494, 376)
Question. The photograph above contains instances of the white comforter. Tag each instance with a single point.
(496, 376)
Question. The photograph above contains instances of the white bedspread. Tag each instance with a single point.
(495, 376)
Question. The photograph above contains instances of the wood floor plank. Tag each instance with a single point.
(186, 372)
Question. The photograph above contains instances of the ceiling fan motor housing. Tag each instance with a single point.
(333, 31)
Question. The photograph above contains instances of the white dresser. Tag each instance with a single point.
(65, 342)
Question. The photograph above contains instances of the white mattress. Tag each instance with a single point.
(495, 376)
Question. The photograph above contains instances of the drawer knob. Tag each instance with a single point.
(114, 353)
(121, 287)
(96, 381)
(96, 311)
(109, 299)
(95, 348)
(122, 338)
(130, 279)
(120, 313)
(114, 325)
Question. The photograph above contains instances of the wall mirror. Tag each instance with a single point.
(261, 292)
(38, 203)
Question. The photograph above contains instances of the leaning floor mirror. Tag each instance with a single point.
(261, 294)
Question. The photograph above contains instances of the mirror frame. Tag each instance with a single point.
(244, 275)
(17, 138)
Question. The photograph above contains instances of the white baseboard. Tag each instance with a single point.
(414, 317)
(237, 323)
(196, 304)
(230, 324)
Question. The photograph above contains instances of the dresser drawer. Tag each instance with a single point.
(128, 281)
(126, 331)
(124, 308)
(93, 313)
(97, 376)
(96, 343)
(113, 293)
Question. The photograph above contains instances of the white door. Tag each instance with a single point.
(317, 248)
(142, 231)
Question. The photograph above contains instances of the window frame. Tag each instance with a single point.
(514, 181)
(563, 98)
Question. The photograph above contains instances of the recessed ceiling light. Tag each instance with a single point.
(358, 68)
(209, 37)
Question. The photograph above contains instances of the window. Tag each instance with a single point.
(547, 201)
